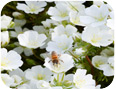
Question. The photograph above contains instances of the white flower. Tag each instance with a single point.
(75, 18)
(108, 52)
(5, 22)
(19, 77)
(82, 80)
(10, 60)
(42, 30)
(19, 23)
(4, 38)
(69, 30)
(79, 51)
(7, 80)
(66, 63)
(43, 85)
(95, 16)
(31, 39)
(33, 7)
(37, 73)
(60, 44)
(104, 63)
(18, 30)
(58, 13)
(97, 36)
(98, 61)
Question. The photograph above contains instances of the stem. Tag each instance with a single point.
(73, 7)
(89, 61)
(11, 7)
(63, 77)
(58, 78)
(75, 56)
(36, 55)
(24, 56)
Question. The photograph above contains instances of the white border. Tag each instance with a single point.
(112, 3)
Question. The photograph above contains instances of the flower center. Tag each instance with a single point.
(40, 77)
(97, 64)
(5, 62)
(76, 20)
(32, 9)
(62, 14)
(101, 18)
(58, 67)
(32, 43)
(80, 83)
(95, 39)
(63, 46)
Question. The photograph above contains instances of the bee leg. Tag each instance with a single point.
(62, 61)
(49, 61)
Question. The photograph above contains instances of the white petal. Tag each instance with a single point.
(92, 11)
(87, 19)
(13, 34)
(19, 50)
(28, 52)
(23, 7)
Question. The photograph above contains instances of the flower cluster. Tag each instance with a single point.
(57, 45)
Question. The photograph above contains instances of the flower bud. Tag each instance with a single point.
(67, 83)
(18, 15)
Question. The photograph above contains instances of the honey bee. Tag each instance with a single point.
(55, 58)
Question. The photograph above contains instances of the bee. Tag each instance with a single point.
(55, 58)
